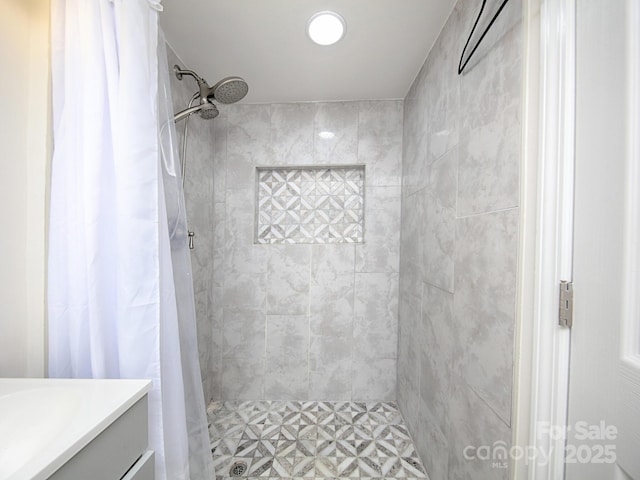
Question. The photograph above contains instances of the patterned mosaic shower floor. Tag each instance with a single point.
(311, 440)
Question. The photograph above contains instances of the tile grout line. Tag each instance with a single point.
(309, 322)
(364, 209)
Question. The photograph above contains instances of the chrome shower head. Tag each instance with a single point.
(229, 90)
(206, 111)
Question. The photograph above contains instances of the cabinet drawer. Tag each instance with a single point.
(143, 468)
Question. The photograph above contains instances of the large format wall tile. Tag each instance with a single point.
(245, 290)
(219, 155)
(437, 237)
(432, 443)
(492, 83)
(243, 332)
(380, 141)
(411, 242)
(441, 354)
(442, 178)
(215, 369)
(248, 143)
(332, 259)
(287, 374)
(376, 298)
(375, 316)
(288, 279)
(414, 143)
(218, 244)
(490, 127)
(473, 423)
(331, 290)
(339, 145)
(239, 213)
(244, 259)
(380, 251)
(374, 340)
(409, 312)
(443, 91)
(373, 379)
(486, 263)
(489, 165)
(331, 303)
(330, 367)
(243, 378)
(292, 133)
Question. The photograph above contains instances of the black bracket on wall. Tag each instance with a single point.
(461, 65)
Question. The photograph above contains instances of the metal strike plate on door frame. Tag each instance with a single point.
(565, 317)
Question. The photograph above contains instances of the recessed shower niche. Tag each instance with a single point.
(310, 204)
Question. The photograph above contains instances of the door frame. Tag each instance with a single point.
(541, 373)
(542, 349)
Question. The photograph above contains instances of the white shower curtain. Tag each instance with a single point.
(120, 292)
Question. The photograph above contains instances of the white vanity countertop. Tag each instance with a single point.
(45, 422)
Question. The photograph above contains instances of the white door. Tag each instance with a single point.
(604, 388)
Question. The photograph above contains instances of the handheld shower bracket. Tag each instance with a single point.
(181, 72)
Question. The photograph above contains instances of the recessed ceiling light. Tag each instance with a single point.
(326, 28)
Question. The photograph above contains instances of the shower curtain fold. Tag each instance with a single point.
(117, 307)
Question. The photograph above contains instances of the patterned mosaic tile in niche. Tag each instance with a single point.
(310, 205)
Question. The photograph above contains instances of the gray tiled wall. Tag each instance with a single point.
(198, 184)
(460, 217)
(306, 321)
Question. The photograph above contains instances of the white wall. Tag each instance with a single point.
(24, 137)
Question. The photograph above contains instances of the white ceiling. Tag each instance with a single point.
(264, 41)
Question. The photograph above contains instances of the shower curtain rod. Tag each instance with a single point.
(462, 66)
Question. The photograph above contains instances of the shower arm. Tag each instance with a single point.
(181, 72)
(205, 89)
